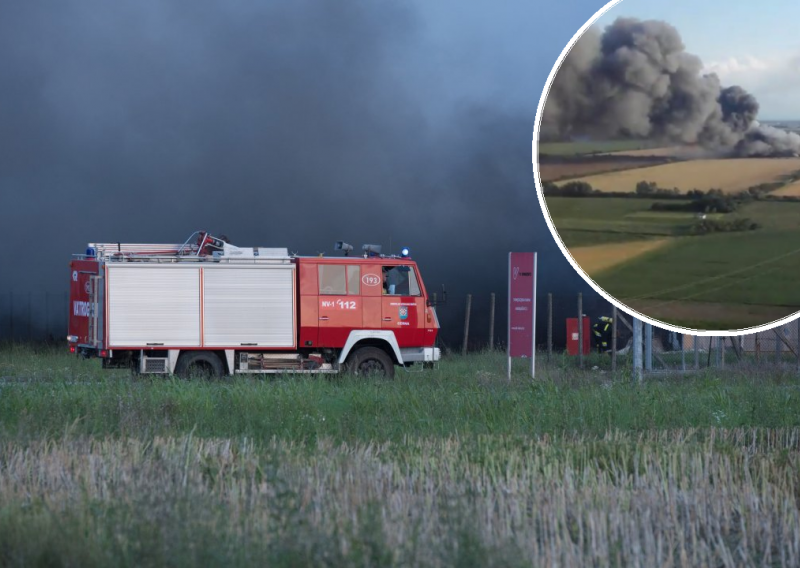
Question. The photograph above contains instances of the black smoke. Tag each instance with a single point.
(289, 124)
(636, 80)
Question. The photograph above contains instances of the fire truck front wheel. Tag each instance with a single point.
(370, 361)
(199, 364)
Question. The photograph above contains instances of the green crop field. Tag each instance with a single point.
(747, 268)
(756, 268)
(453, 467)
(586, 220)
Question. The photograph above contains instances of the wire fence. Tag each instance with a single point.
(473, 323)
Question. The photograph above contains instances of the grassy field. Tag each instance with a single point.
(587, 220)
(749, 276)
(453, 467)
(729, 175)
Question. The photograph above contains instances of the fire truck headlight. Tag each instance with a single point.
(404, 252)
(72, 338)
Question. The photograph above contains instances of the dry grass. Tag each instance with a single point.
(728, 175)
(589, 166)
(680, 498)
(595, 259)
(790, 190)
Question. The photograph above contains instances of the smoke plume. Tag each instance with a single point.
(290, 124)
(636, 80)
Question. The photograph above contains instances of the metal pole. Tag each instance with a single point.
(66, 314)
(491, 323)
(613, 339)
(533, 315)
(466, 324)
(47, 329)
(508, 324)
(683, 352)
(580, 330)
(637, 349)
(648, 347)
(549, 326)
(797, 341)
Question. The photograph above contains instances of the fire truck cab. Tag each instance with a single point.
(206, 306)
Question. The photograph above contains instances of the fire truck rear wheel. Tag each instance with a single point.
(200, 364)
(369, 361)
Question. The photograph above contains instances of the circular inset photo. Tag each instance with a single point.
(667, 160)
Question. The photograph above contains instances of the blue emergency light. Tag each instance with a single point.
(91, 252)
(404, 252)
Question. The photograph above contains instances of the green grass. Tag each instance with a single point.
(452, 467)
(597, 220)
(594, 147)
(587, 221)
(467, 396)
(698, 259)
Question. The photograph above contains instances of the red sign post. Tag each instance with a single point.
(522, 308)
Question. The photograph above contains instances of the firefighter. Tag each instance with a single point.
(602, 333)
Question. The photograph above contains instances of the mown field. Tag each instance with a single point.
(452, 467)
(718, 281)
(729, 175)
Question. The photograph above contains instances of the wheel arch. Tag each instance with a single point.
(385, 340)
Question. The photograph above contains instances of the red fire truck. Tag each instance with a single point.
(206, 306)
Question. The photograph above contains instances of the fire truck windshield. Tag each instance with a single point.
(400, 281)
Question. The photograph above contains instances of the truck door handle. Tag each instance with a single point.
(324, 318)
(387, 319)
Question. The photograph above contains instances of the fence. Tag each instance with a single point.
(474, 322)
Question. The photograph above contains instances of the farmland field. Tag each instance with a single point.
(730, 175)
(586, 219)
(453, 467)
(646, 260)
(594, 259)
(790, 190)
(593, 147)
(553, 170)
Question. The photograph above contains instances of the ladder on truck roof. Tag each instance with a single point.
(205, 248)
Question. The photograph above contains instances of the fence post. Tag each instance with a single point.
(580, 330)
(47, 331)
(637, 349)
(549, 326)
(797, 341)
(648, 347)
(491, 323)
(614, 339)
(65, 321)
(683, 351)
(466, 324)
